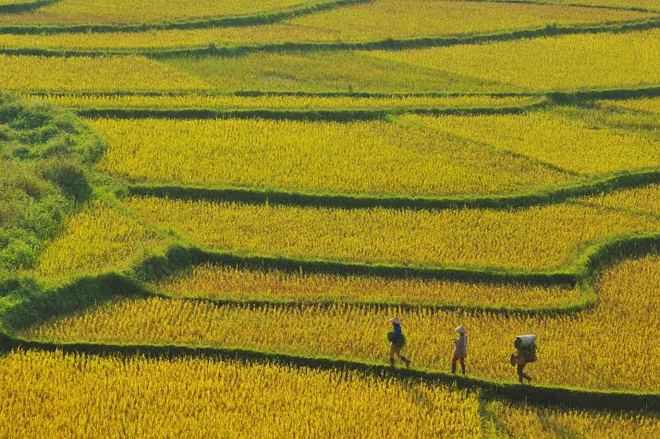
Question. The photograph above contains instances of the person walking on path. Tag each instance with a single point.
(397, 342)
(525, 353)
(460, 349)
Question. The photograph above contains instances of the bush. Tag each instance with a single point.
(70, 176)
(45, 155)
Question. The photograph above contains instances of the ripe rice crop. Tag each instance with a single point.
(175, 38)
(96, 239)
(375, 20)
(600, 346)
(244, 285)
(81, 74)
(140, 11)
(58, 395)
(521, 421)
(625, 119)
(372, 157)
(642, 4)
(534, 238)
(345, 71)
(615, 60)
(231, 102)
(411, 18)
(552, 137)
(647, 105)
(644, 200)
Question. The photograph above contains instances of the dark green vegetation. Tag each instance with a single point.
(24, 6)
(45, 155)
(335, 115)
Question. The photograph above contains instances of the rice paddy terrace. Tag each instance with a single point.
(210, 212)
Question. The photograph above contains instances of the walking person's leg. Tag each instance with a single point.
(403, 358)
(454, 359)
(391, 354)
(522, 374)
(519, 369)
(462, 360)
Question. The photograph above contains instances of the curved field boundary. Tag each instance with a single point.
(555, 96)
(565, 397)
(384, 44)
(24, 6)
(338, 115)
(222, 21)
(577, 4)
(555, 195)
(40, 306)
(581, 272)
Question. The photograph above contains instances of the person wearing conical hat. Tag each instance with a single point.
(397, 342)
(460, 349)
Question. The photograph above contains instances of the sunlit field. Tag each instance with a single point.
(276, 218)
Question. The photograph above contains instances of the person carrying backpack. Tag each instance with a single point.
(525, 353)
(397, 342)
(460, 349)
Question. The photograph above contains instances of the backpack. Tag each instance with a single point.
(526, 346)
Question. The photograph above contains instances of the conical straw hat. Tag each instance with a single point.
(461, 330)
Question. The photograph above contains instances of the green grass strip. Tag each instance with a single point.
(336, 115)
(557, 95)
(222, 21)
(565, 397)
(624, 180)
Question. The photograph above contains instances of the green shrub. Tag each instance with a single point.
(45, 154)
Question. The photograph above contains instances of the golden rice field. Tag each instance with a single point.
(643, 200)
(518, 421)
(173, 38)
(195, 398)
(615, 60)
(96, 240)
(406, 18)
(647, 105)
(368, 21)
(318, 72)
(118, 327)
(602, 350)
(651, 5)
(555, 138)
(371, 157)
(140, 11)
(245, 285)
(61, 385)
(535, 238)
(34, 73)
(233, 102)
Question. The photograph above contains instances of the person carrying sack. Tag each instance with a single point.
(460, 349)
(397, 342)
(525, 353)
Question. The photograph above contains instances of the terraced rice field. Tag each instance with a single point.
(133, 11)
(364, 22)
(211, 212)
